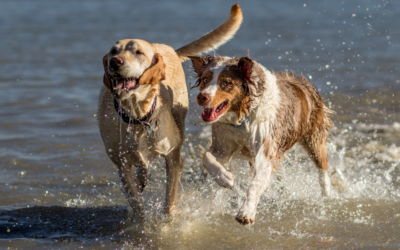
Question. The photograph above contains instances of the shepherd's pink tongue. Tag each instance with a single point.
(209, 114)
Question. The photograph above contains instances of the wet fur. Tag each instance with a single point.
(157, 70)
(280, 109)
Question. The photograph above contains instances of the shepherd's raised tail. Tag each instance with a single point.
(215, 38)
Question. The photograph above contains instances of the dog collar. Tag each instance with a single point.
(243, 124)
(149, 126)
(243, 121)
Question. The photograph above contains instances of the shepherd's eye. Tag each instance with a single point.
(204, 80)
(224, 83)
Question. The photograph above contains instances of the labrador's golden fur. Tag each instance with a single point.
(144, 78)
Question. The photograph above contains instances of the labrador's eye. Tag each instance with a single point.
(113, 51)
(138, 52)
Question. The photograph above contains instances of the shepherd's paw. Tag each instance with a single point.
(225, 180)
(245, 218)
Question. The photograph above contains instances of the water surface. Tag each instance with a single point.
(60, 191)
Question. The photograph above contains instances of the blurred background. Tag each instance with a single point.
(51, 153)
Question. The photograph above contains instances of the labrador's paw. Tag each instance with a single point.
(173, 210)
(141, 176)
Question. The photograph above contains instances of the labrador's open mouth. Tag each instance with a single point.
(126, 84)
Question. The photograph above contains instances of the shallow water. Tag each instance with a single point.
(60, 191)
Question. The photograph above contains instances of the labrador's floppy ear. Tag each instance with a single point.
(154, 74)
(199, 64)
(106, 80)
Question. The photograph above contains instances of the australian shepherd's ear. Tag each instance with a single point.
(199, 64)
(106, 80)
(154, 74)
(245, 66)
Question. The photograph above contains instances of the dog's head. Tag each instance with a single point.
(130, 67)
(225, 86)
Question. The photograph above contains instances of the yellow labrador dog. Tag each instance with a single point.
(143, 105)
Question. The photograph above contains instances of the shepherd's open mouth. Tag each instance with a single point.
(126, 84)
(212, 114)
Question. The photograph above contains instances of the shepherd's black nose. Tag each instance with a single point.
(202, 98)
(116, 62)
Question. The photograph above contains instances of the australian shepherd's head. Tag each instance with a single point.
(226, 87)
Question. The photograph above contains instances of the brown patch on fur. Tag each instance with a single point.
(203, 65)
(204, 80)
(302, 117)
(245, 65)
(234, 83)
(281, 115)
(155, 74)
(199, 64)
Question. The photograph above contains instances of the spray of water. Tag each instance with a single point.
(291, 208)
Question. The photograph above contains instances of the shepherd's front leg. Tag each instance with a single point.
(213, 161)
(262, 176)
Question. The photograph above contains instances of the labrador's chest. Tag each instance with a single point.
(159, 141)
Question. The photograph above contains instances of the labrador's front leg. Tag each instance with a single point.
(213, 161)
(174, 169)
(259, 183)
(132, 192)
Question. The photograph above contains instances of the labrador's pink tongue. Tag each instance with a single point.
(125, 84)
(130, 84)
(120, 85)
(209, 114)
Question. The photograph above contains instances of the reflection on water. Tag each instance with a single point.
(59, 189)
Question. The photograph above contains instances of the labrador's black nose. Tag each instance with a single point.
(116, 62)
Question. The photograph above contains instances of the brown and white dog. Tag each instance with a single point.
(143, 105)
(257, 115)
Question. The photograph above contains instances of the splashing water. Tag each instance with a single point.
(50, 135)
(292, 207)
